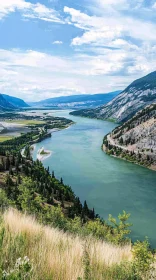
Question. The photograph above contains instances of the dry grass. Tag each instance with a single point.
(5, 138)
(57, 255)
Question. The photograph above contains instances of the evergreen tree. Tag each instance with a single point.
(11, 171)
(7, 163)
(85, 208)
(121, 141)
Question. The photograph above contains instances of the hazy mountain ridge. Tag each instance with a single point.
(15, 101)
(4, 104)
(136, 96)
(135, 140)
(77, 101)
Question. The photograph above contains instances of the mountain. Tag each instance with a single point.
(135, 140)
(136, 96)
(4, 104)
(77, 101)
(16, 102)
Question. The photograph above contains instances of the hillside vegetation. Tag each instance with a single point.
(54, 254)
(46, 232)
(135, 140)
(32, 251)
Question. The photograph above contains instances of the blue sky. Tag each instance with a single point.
(53, 48)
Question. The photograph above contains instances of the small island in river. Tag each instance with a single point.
(43, 154)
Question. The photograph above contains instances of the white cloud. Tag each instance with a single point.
(112, 49)
(36, 75)
(98, 37)
(154, 6)
(57, 43)
(78, 18)
(119, 5)
(113, 5)
(97, 30)
(29, 10)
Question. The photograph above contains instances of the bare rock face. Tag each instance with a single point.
(136, 96)
(135, 140)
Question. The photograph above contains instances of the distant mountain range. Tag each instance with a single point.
(16, 102)
(8, 102)
(136, 96)
(77, 101)
(4, 104)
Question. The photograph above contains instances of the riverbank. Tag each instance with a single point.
(73, 113)
(135, 140)
(127, 155)
(107, 184)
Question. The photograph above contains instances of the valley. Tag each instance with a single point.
(15, 124)
(77, 140)
(108, 184)
(93, 175)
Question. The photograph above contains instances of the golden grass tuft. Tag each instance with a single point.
(57, 255)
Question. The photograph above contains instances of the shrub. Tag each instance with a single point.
(120, 230)
(21, 271)
(143, 258)
(4, 202)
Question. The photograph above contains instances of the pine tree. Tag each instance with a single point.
(53, 175)
(85, 208)
(7, 163)
(121, 141)
(11, 171)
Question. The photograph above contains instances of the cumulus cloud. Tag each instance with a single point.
(113, 48)
(29, 10)
(97, 30)
(32, 74)
(123, 43)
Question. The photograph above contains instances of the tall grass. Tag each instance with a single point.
(57, 255)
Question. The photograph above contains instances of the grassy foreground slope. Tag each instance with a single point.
(54, 254)
(32, 251)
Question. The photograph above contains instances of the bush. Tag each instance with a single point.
(4, 202)
(21, 271)
(143, 258)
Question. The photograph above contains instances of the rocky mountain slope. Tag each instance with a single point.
(136, 96)
(135, 140)
(4, 104)
(16, 102)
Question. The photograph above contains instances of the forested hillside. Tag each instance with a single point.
(66, 240)
(135, 140)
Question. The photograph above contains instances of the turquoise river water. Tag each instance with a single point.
(108, 184)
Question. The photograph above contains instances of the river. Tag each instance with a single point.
(108, 184)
